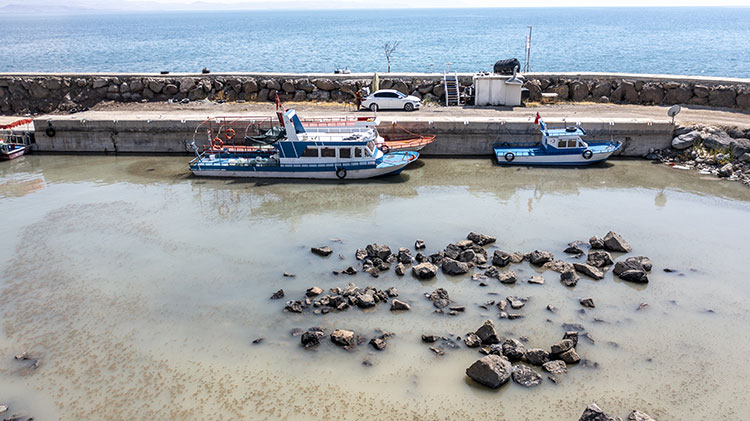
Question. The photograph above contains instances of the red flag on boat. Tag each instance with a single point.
(538, 117)
(278, 102)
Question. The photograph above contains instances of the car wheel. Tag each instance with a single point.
(408, 106)
(374, 108)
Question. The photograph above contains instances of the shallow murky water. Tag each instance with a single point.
(140, 289)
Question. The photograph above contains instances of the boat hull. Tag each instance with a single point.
(538, 156)
(13, 154)
(260, 172)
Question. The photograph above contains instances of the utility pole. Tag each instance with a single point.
(527, 67)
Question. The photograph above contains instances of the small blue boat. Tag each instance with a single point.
(559, 146)
(299, 154)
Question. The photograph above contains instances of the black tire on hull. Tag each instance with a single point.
(341, 173)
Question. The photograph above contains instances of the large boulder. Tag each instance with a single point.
(625, 93)
(539, 258)
(501, 258)
(525, 376)
(487, 333)
(344, 338)
(454, 267)
(325, 84)
(651, 93)
(613, 242)
(492, 371)
(722, 97)
(374, 250)
(424, 270)
(513, 349)
(599, 258)
(481, 239)
(536, 356)
(678, 95)
(686, 140)
(579, 90)
(594, 413)
(603, 88)
(588, 270)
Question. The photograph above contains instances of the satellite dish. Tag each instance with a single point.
(673, 111)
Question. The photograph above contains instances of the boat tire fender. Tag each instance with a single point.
(5, 147)
(341, 173)
(217, 143)
(587, 154)
(51, 132)
(385, 148)
(230, 133)
(510, 156)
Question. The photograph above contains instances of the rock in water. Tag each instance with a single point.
(536, 279)
(560, 347)
(491, 371)
(400, 269)
(589, 270)
(472, 340)
(360, 254)
(454, 267)
(513, 349)
(570, 356)
(573, 336)
(382, 252)
(539, 258)
(322, 251)
(596, 242)
(487, 333)
(632, 275)
(440, 298)
(397, 305)
(599, 258)
(573, 248)
(726, 170)
(419, 245)
(310, 339)
(588, 302)
(481, 239)
(311, 292)
(501, 258)
(569, 278)
(516, 302)
(507, 277)
(344, 338)
(536, 356)
(378, 343)
(525, 376)
(278, 294)
(424, 270)
(636, 415)
(430, 338)
(555, 367)
(594, 413)
(613, 242)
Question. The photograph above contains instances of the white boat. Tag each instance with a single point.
(303, 154)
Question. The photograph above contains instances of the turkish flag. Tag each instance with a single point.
(536, 120)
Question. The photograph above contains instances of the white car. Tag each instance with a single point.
(391, 99)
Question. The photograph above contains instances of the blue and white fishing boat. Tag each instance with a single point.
(299, 154)
(559, 146)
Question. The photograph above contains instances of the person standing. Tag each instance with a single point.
(358, 99)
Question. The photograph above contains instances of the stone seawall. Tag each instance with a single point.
(44, 93)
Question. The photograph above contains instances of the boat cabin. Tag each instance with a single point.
(563, 139)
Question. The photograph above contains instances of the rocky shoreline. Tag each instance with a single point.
(720, 151)
(21, 94)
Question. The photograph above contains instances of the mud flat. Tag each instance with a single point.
(156, 287)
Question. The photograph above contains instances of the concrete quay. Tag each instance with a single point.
(461, 134)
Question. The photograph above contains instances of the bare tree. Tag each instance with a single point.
(388, 49)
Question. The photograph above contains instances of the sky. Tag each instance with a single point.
(351, 4)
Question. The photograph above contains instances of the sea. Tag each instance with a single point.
(708, 41)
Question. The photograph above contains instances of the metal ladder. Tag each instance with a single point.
(452, 94)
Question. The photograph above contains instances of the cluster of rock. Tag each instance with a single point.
(594, 413)
(48, 93)
(629, 91)
(441, 300)
(343, 338)
(497, 366)
(342, 299)
(599, 260)
(16, 416)
(724, 152)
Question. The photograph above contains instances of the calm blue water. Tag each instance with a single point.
(691, 41)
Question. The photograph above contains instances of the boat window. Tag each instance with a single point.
(345, 153)
(328, 153)
(310, 153)
(358, 152)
